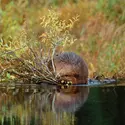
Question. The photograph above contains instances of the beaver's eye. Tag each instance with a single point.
(67, 75)
(63, 76)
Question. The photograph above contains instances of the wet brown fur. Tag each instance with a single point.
(71, 67)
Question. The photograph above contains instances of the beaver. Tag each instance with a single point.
(70, 67)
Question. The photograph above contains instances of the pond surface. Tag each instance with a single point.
(29, 105)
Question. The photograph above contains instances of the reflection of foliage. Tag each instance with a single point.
(61, 118)
(31, 108)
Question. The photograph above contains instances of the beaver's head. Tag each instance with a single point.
(73, 69)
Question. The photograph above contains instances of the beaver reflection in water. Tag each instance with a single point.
(70, 67)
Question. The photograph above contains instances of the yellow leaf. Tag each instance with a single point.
(92, 67)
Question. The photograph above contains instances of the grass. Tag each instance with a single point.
(93, 29)
(27, 57)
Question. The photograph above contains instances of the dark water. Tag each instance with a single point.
(105, 106)
(29, 105)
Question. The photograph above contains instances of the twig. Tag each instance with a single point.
(12, 51)
(54, 49)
